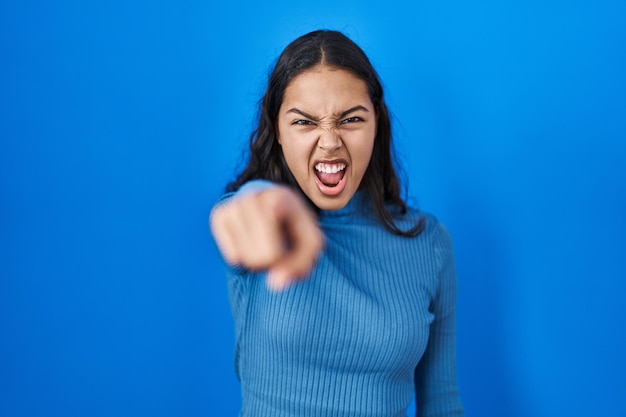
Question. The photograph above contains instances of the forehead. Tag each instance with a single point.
(325, 88)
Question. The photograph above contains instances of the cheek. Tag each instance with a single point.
(364, 159)
(361, 151)
(296, 152)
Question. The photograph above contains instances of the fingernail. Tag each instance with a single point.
(275, 282)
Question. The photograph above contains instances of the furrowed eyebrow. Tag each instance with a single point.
(316, 119)
(301, 113)
(352, 110)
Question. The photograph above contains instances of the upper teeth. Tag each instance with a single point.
(329, 168)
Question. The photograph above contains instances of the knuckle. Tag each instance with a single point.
(261, 257)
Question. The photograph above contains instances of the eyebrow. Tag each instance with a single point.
(316, 119)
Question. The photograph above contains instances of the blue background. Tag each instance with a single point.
(120, 122)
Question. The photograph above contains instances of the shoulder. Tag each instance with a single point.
(434, 229)
(249, 187)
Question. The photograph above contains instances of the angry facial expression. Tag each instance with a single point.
(326, 129)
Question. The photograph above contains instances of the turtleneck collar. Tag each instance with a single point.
(358, 204)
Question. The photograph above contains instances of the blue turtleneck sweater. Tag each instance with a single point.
(372, 326)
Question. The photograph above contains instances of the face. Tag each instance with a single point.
(326, 129)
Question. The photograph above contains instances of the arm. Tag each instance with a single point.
(435, 376)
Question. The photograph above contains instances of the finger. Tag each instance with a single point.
(306, 241)
(248, 231)
(260, 236)
(222, 230)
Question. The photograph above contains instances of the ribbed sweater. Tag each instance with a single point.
(373, 325)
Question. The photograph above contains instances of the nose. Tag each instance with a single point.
(329, 140)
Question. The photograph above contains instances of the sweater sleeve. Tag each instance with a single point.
(435, 376)
(236, 272)
(237, 276)
(253, 186)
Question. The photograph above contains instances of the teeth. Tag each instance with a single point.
(330, 168)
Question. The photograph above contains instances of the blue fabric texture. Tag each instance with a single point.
(372, 326)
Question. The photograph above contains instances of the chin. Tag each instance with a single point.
(330, 203)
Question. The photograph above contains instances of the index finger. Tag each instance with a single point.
(305, 243)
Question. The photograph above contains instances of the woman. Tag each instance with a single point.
(358, 313)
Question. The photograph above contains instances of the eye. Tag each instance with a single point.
(353, 119)
(302, 122)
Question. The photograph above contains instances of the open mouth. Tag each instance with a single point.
(330, 174)
(330, 177)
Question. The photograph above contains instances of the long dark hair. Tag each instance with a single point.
(380, 180)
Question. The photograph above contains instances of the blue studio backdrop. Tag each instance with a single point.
(121, 122)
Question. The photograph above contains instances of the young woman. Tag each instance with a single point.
(344, 298)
